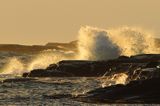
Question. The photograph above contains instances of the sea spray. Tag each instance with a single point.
(45, 58)
(13, 66)
(133, 41)
(120, 78)
(95, 44)
(42, 60)
(101, 44)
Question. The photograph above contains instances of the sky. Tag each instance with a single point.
(41, 21)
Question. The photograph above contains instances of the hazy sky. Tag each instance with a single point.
(42, 21)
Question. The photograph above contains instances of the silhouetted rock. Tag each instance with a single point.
(142, 91)
(46, 73)
(132, 66)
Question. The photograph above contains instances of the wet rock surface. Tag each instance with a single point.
(141, 75)
(143, 78)
(141, 91)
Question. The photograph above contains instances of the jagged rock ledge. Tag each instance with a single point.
(139, 65)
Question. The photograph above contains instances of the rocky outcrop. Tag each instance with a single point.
(133, 66)
(142, 84)
(141, 91)
(71, 69)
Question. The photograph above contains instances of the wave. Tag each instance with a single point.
(93, 44)
(104, 44)
(13, 66)
(45, 58)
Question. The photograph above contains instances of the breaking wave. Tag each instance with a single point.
(93, 44)
(102, 44)
(13, 66)
(44, 59)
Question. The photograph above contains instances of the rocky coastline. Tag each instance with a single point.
(143, 78)
(132, 66)
(142, 82)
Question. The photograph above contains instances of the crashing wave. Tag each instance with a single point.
(102, 44)
(93, 44)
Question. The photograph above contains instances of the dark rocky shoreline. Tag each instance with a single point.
(143, 78)
(141, 91)
(140, 65)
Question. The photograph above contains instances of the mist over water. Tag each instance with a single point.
(93, 44)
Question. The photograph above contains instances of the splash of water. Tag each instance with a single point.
(120, 78)
(101, 44)
(93, 44)
(133, 41)
(40, 61)
(13, 66)
(44, 59)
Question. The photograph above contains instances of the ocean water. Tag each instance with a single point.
(36, 92)
(39, 91)
(93, 44)
(33, 92)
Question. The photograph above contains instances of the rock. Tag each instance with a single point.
(142, 91)
(152, 64)
(71, 69)
(26, 74)
(146, 57)
(46, 73)
(148, 73)
(52, 67)
(80, 68)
